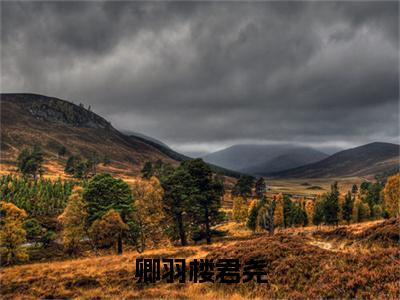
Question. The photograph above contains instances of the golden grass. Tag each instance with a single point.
(112, 276)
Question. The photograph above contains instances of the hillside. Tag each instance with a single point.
(261, 159)
(27, 119)
(369, 159)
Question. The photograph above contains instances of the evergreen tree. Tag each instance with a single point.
(206, 194)
(147, 170)
(29, 162)
(354, 189)
(243, 186)
(260, 187)
(252, 219)
(266, 215)
(318, 215)
(177, 203)
(331, 205)
(347, 208)
(33, 229)
(104, 192)
(287, 211)
(62, 151)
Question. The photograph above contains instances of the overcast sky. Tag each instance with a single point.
(201, 76)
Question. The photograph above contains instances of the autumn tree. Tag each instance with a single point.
(73, 220)
(104, 192)
(391, 195)
(266, 215)
(240, 209)
(279, 213)
(347, 208)
(108, 230)
(309, 208)
(252, 218)
(149, 213)
(12, 234)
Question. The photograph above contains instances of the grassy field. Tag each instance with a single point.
(312, 186)
(356, 261)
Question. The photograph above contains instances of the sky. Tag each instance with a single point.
(201, 76)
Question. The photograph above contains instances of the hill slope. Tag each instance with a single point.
(369, 159)
(27, 119)
(261, 159)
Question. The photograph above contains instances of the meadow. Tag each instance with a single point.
(355, 261)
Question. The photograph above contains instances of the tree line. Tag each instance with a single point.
(370, 201)
(107, 212)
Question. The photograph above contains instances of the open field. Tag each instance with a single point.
(302, 263)
(312, 186)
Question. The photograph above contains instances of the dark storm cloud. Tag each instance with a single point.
(200, 75)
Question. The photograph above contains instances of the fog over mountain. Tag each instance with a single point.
(203, 76)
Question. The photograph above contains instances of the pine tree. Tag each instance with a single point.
(29, 162)
(266, 215)
(354, 189)
(260, 187)
(177, 203)
(287, 211)
(347, 208)
(318, 215)
(104, 192)
(147, 170)
(206, 194)
(331, 205)
(243, 186)
(252, 219)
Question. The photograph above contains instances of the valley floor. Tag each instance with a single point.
(356, 261)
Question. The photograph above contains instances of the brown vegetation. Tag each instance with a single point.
(297, 269)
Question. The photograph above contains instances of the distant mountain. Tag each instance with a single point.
(262, 159)
(369, 159)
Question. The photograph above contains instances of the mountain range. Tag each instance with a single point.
(373, 158)
(259, 159)
(29, 119)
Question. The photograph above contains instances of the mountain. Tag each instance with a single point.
(261, 159)
(369, 159)
(28, 119)
(291, 159)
